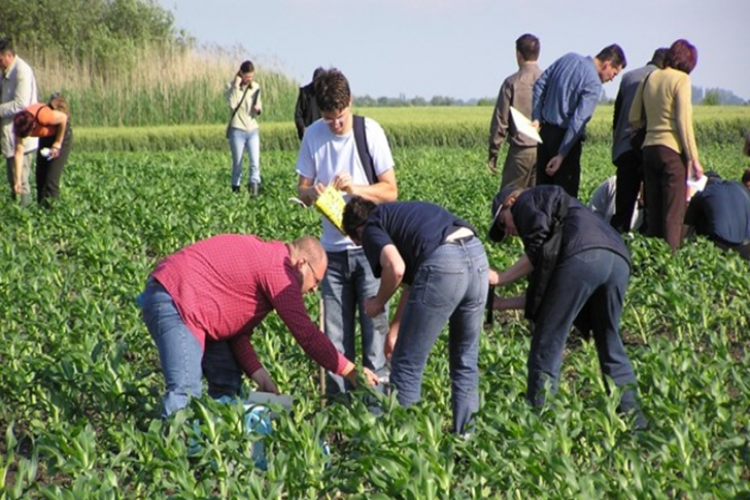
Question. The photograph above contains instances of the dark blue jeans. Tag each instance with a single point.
(450, 286)
(595, 279)
(182, 360)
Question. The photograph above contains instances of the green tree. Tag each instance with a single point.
(712, 98)
(100, 32)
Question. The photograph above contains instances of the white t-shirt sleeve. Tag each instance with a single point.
(306, 160)
(377, 143)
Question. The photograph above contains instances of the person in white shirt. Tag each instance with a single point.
(329, 155)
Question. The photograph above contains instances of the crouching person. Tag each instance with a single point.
(202, 304)
(579, 270)
(445, 267)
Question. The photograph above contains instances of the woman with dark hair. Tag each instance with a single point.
(670, 154)
(243, 98)
(51, 123)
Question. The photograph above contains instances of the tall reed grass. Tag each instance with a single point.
(157, 86)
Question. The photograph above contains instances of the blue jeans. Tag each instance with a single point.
(347, 283)
(449, 287)
(182, 359)
(593, 281)
(239, 140)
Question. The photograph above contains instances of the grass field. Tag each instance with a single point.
(80, 381)
(464, 127)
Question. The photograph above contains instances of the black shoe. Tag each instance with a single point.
(235, 189)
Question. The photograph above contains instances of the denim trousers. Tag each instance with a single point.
(239, 141)
(347, 283)
(182, 359)
(449, 287)
(593, 281)
(10, 165)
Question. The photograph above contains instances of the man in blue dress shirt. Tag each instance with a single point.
(565, 97)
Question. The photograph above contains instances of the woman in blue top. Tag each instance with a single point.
(438, 257)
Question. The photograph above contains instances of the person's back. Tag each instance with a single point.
(721, 212)
(516, 91)
(565, 97)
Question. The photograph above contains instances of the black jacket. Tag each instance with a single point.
(306, 111)
(553, 227)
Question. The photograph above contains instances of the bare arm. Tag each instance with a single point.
(522, 267)
(17, 162)
(390, 341)
(307, 191)
(393, 268)
(61, 120)
(382, 191)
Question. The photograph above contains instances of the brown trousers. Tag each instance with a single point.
(665, 178)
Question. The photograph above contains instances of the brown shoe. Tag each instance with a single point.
(254, 189)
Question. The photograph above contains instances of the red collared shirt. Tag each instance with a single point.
(224, 286)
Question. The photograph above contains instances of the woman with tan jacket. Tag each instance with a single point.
(670, 154)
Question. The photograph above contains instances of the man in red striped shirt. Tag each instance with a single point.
(202, 304)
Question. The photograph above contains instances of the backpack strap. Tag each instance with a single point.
(360, 140)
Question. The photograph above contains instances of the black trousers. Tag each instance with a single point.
(628, 184)
(569, 175)
(49, 171)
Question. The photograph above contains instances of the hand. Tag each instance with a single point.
(54, 152)
(17, 187)
(536, 125)
(370, 376)
(343, 182)
(696, 168)
(313, 192)
(373, 307)
(265, 384)
(494, 277)
(390, 342)
(492, 164)
(554, 165)
(256, 109)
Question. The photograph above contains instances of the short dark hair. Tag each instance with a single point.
(6, 45)
(614, 54)
(332, 91)
(528, 46)
(23, 123)
(658, 58)
(356, 212)
(247, 67)
(682, 56)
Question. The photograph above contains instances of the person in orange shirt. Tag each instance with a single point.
(51, 123)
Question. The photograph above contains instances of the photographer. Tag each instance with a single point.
(243, 98)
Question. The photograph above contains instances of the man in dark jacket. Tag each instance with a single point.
(306, 111)
(721, 213)
(579, 270)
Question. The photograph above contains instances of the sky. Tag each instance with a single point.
(464, 48)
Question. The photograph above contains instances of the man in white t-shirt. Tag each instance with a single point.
(329, 155)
